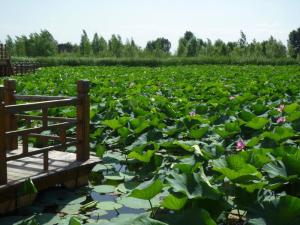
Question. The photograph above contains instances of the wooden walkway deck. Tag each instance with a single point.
(63, 170)
(21, 169)
(45, 166)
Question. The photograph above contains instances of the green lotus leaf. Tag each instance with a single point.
(147, 190)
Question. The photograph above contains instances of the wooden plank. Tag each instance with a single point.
(41, 150)
(50, 118)
(39, 98)
(54, 137)
(39, 105)
(33, 166)
(39, 129)
(63, 170)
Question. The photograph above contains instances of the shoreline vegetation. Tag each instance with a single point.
(154, 62)
(43, 48)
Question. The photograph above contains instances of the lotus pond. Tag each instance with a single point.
(195, 145)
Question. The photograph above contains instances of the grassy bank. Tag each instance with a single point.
(152, 62)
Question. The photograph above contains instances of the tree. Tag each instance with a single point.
(181, 50)
(65, 48)
(102, 46)
(131, 49)
(96, 45)
(115, 45)
(184, 42)
(243, 40)
(188, 35)
(294, 43)
(220, 48)
(40, 44)
(192, 46)
(47, 45)
(209, 48)
(160, 45)
(163, 44)
(9, 45)
(85, 45)
(232, 45)
(274, 48)
(20, 46)
(255, 49)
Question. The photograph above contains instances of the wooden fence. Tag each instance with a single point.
(7, 68)
(11, 113)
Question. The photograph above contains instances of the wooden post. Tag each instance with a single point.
(1, 92)
(43, 141)
(1, 51)
(3, 163)
(46, 161)
(25, 137)
(5, 52)
(2, 67)
(63, 137)
(11, 121)
(83, 120)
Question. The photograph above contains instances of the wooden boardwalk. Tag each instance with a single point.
(49, 164)
(21, 169)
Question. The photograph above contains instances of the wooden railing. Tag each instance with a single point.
(8, 68)
(3, 52)
(25, 67)
(5, 63)
(11, 113)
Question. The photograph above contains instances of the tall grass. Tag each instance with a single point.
(152, 62)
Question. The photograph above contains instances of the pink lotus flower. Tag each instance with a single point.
(193, 113)
(280, 119)
(231, 97)
(280, 108)
(240, 145)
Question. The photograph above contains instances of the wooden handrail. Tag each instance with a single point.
(50, 118)
(33, 98)
(41, 150)
(3, 52)
(40, 105)
(39, 129)
(50, 137)
(10, 113)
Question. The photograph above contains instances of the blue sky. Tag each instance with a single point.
(145, 20)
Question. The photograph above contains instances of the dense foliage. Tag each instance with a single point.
(294, 43)
(154, 62)
(191, 145)
(43, 44)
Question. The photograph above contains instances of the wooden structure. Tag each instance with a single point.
(48, 164)
(24, 67)
(7, 68)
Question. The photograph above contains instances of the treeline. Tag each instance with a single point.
(43, 44)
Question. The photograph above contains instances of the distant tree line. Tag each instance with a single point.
(44, 44)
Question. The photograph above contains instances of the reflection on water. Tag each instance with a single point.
(112, 213)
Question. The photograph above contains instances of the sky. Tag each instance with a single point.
(145, 20)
